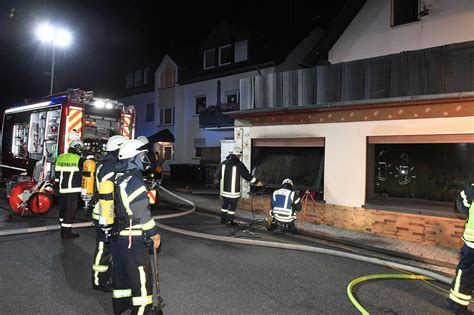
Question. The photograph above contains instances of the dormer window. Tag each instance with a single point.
(209, 58)
(225, 55)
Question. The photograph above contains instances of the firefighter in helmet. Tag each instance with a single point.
(101, 270)
(230, 172)
(132, 274)
(149, 172)
(285, 204)
(68, 170)
(463, 284)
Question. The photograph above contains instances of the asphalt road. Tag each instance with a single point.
(42, 274)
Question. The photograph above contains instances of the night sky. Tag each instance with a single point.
(108, 35)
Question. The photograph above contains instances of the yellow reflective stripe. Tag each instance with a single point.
(66, 169)
(134, 233)
(149, 225)
(460, 295)
(459, 301)
(123, 196)
(457, 283)
(297, 200)
(100, 268)
(69, 190)
(96, 266)
(95, 216)
(464, 199)
(142, 300)
(118, 294)
(136, 193)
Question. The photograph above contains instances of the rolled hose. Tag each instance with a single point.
(354, 282)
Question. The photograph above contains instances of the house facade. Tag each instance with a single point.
(383, 143)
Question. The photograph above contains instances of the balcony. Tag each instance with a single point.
(214, 117)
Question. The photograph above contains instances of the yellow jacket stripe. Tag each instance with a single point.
(118, 294)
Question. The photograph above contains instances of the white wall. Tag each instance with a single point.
(370, 34)
(189, 121)
(346, 148)
(143, 128)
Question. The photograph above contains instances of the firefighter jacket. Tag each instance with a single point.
(231, 171)
(105, 171)
(131, 203)
(69, 167)
(465, 204)
(285, 204)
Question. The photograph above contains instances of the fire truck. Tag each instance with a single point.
(33, 136)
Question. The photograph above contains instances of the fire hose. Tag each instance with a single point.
(418, 273)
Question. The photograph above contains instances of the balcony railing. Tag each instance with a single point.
(213, 117)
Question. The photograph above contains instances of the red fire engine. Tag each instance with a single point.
(34, 135)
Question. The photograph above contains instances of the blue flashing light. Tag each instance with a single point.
(58, 100)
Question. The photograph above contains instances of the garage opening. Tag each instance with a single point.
(301, 159)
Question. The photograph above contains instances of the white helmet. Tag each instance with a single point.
(114, 143)
(130, 148)
(236, 151)
(287, 181)
(76, 144)
(143, 139)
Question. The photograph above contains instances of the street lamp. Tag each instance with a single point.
(49, 34)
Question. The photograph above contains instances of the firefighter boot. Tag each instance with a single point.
(67, 233)
(456, 308)
(223, 217)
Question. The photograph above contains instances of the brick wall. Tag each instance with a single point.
(412, 227)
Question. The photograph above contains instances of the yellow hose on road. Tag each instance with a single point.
(354, 282)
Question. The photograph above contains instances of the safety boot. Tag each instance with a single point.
(223, 218)
(66, 233)
(456, 308)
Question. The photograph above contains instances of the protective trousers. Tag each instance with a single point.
(132, 275)
(463, 283)
(67, 211)
(228, 209)
(101, 266)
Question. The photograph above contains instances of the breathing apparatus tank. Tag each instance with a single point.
(88, 175)
(106, 204)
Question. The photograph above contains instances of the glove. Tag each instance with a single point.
(259, 184)
(156, 241)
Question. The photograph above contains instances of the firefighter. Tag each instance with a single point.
(230, 172)
(132, 274)
(463, 284)
(68, 171)
(101, 270)
(285, 204)
(150, 154)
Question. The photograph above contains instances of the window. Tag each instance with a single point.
(209, 59)
(167, 77)
(200, 104)
(301, 159)
(240, 51)
(168, 152)
(232, 96)
(150, 112)
(225, 55)
(166, 116)
(198, 152)
(138, 78)
(404, 11)
(199, 143)
(129, 80)
(419, 171)
(147, 76)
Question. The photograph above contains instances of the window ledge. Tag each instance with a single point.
(430, 210)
